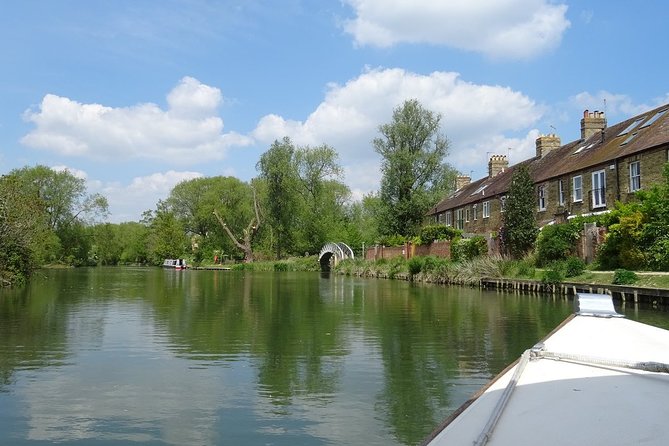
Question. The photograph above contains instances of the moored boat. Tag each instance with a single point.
(598, 379)
(175, 263)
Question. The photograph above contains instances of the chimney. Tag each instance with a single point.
(546, 143)
(497, 164)
(461, 181)
(592, 123)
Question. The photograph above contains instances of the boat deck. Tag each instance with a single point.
(569, 402)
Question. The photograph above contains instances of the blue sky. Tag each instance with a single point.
(135, 96)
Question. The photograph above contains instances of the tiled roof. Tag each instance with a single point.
(601, 148)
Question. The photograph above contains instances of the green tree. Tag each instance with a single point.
(23, 230)
(194, 203)
(519, 226)
(167, 238)
(281, 180)
(69, 210)
(413, 168)
(323, 197)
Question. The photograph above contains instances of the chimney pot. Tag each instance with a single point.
(592, 123)
(497, 165)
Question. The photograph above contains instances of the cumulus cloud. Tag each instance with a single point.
(189, 131)
(475, 118)
(616, 105)
(509, 28)
(128, 201)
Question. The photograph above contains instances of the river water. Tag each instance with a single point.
(126, 356)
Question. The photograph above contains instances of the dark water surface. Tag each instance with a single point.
(112, 356)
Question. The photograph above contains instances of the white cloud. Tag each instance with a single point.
(188, 132)
(508, 28)
(616, 105)
(128, 201)
(475, 118)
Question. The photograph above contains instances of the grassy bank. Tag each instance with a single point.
(470, 272)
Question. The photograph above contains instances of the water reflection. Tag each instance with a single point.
(202, 357)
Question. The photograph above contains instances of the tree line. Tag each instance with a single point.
(296, 204)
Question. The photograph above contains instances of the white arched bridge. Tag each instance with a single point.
(333, 253)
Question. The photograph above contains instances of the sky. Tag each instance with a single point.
(135, 96)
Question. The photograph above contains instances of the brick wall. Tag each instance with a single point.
(438, 249)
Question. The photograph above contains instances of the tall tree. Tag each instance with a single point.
(519, 225)
(323, 196)
(64, 195)
(413, 167)
(166, 238)
(68, 207)
(278, 172)
(194, 203)
(23, 230)
(248, 233)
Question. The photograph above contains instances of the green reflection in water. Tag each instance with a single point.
(210, 357)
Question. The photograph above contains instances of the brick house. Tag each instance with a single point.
(607, 164)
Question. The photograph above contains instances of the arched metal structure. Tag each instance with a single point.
(333, 253)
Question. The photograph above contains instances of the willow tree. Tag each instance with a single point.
(413, 169)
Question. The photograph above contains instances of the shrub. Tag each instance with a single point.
(430, 233)
(393, 240)
(468, 249)
(624, 277)
(415, 265)
(522, 268)
(553, 276)
(557, 242)
(431, 263)
(574, 266)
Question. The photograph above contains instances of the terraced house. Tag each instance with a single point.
(582, 177)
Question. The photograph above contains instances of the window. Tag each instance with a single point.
(599, 189)
(560, 193)
(486, 209)
(635, 176)
(542, 198)
(448, 218)
(474, 211)
(468, 213)
(459, 224)
(502, 203)
(630, 127)
(577, 189)
(655, 117)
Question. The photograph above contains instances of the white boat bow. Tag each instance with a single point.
(599, 379)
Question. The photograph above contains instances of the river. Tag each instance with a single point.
(126, 356)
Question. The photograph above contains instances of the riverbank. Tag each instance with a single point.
(516, 276)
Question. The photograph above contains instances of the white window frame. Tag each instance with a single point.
(560, 192)
(486, 209)
(541, 191)
(459, 223)
(474, 206)
(577, 191)
(599, 189)
(468, 214)
(502, 203)
(635, 176)
(448, 218)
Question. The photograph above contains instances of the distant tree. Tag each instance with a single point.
(23, 230)
(69, 210)
(64, 195)
(244, 243)
(166, 238)
(323, 196)
(194, 203)
(278, 172)
(413, 168)
(519, 226)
